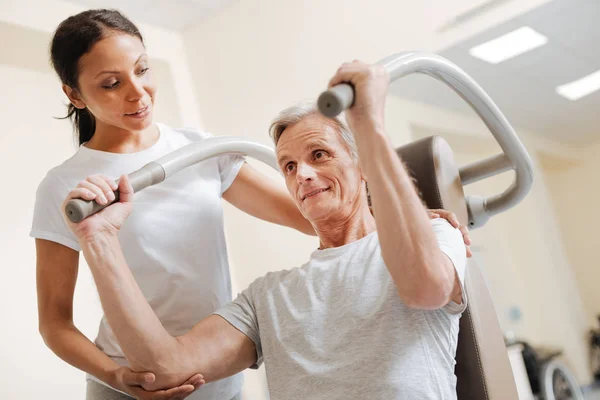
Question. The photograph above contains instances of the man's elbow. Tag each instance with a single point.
(431, 293)
(432, 299)
(164, 359)
(170, 365)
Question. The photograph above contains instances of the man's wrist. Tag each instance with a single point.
(100, 246)
(369, 127)
(97, 238)
(371, 138)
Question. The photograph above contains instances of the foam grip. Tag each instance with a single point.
(335, 100)
(79, 209)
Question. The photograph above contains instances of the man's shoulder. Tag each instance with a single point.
(281, 276)
(274, 281)
(441, 223)
(443, 228)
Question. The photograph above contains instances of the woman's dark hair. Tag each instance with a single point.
(73, 38)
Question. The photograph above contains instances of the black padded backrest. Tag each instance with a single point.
(482, 367)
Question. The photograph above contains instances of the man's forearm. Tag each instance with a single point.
(409, 247)
(213, 348)
(142, 337)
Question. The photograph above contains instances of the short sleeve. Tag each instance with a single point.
(229, 165)
(451, 243)
(241, 314)
(48, 222)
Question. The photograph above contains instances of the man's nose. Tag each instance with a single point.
(305, 173)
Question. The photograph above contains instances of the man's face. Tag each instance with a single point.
(320, 173)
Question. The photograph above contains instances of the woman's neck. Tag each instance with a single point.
(111, 139)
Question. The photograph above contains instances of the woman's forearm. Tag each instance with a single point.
(68, 343)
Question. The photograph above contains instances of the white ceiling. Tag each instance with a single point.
(524, 87)
(169, 14)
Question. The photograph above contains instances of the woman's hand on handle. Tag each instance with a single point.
(100, 188)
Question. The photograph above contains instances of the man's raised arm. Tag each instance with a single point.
(424, 276)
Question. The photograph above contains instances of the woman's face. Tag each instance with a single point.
(115, 83)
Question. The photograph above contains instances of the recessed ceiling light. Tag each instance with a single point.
(509, 45)
(581, 87)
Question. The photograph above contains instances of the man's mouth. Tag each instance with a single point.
(314, 193)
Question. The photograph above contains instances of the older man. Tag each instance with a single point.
(373, 314)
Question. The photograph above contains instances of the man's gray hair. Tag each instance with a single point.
(296, 113)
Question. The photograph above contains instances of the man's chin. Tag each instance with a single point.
(317, 213)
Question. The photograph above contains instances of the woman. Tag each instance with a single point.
(174, 242)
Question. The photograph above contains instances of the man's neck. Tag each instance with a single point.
(347, 230)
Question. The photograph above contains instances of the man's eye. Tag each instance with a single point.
(289, 167)
(319, 154)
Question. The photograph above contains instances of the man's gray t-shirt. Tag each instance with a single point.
(336, 328)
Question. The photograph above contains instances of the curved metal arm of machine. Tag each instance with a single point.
(514, 155)
(157, 171)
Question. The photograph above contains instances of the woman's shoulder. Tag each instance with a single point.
(68, 173)
(52, 187)
(55, 174)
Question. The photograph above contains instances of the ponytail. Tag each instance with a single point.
(84, 123)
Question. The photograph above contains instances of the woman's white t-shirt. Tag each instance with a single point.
(173, 241)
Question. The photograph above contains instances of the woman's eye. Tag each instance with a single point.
(143, 71)
(111, 85)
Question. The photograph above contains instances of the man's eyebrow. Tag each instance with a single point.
(283, 158)
(312, 145)
(316, 144)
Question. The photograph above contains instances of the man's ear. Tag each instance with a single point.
(74, 96)
(361, 171)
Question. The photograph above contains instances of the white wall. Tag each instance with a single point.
(575, 189)
(257, 56)
(32, 142)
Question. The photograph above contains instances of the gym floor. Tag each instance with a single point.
(592, 392)
(593, 395)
